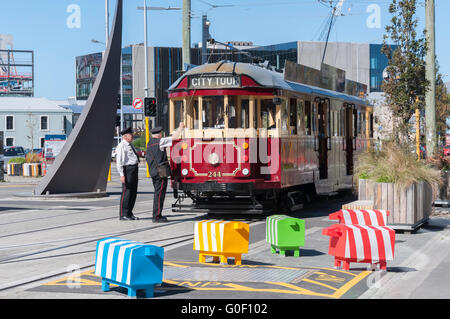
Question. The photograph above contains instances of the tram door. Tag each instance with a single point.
(323, 147)
(349, 140)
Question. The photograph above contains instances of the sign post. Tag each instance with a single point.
(53, 145)
(138, 103)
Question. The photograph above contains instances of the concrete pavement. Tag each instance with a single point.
(47, 250)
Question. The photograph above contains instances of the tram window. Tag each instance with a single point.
(361, 123)
(371, 125)
(268, 111)
(231, 112)
(364, 124)
(245, 113)
(196, 115)
(293, 116)
(179, 112)
(300, 121)
(284, 116)
(213, 112)
(336, 123)
(308, 118)
(314, 118)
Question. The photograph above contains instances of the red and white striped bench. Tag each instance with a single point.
(361, 236)
(361, 217)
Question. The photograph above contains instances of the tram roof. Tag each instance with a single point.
(266, 78)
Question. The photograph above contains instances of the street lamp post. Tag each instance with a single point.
(146, 88)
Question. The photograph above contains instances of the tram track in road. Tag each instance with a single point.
(97, 237)
(180, 240)
(58, 273)
(67, 225)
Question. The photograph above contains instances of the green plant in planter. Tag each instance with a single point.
(396, 164)
(33, 158)
(16, 160)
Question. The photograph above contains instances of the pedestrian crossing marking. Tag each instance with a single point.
(312, 284)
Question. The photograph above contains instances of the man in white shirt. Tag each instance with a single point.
(127, 162)
(156, 156)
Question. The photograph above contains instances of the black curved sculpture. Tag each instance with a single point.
(83, 164)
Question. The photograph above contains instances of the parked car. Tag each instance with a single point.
(447, 150)
(141, 153)
(11, 152)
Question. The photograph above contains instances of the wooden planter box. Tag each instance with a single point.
(14, 169)
(32, 169)
(409, 208)
(444, 191)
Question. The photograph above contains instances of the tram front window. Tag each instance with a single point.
(268, 111)
(213, 112)
(179, 111)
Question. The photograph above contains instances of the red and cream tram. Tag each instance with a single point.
(255, 141)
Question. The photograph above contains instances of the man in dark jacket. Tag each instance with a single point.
(156, 155)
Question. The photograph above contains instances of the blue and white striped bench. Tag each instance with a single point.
(129, 264)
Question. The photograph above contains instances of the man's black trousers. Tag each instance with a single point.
(160, 185)
(129, 190)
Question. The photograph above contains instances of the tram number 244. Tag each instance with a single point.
(214, 174)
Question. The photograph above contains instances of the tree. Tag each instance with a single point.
(442, 106)
(406, 84)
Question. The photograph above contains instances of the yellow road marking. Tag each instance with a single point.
(319, 283)
(298, 290)
(174, 265)
(327, 277)
(341, 291)
(337, 270)
(214, 286)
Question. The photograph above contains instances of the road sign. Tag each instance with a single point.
(138, 104)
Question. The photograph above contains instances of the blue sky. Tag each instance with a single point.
(42, 26)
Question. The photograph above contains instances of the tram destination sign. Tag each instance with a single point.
(214, 81)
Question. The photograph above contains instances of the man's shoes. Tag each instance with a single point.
(132, 217)
(161, 219)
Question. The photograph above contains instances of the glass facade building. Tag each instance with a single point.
(168, 65)
(378, 62)
(87, 67)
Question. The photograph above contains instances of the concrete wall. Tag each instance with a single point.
(354, 58)
(139, 71)
(27, 132)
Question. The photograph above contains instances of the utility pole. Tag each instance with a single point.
(430, 96)
(107, 22)
(147, 119)
(186, 33)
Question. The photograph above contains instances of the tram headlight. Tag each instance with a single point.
(245, 171)
(213, 159)
(184, 171)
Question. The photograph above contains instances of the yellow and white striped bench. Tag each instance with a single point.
(221, 239)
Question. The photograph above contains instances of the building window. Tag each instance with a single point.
(9, 123)
(9, 141)
(373, 63)
(44, 123)
(42, 142)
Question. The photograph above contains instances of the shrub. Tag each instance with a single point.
(16, 160)
(140, 143)
(33, 158)
(396, 164)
